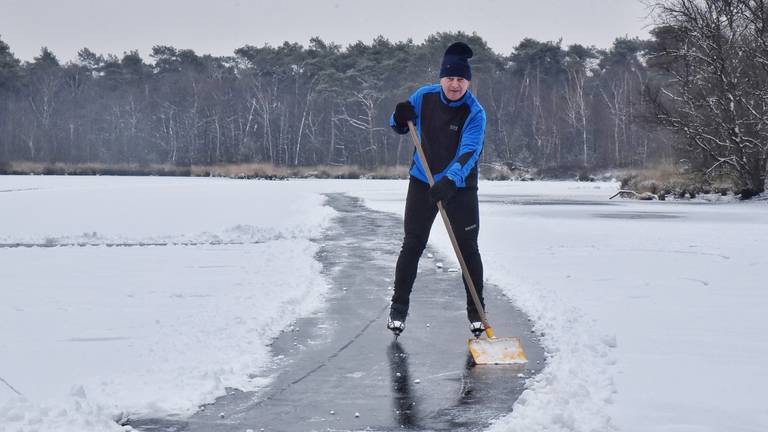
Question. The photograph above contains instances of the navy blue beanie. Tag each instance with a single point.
(455, 61)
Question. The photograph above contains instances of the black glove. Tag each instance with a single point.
(404, 112)
(443, 190)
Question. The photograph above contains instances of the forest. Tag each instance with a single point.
(694, 96)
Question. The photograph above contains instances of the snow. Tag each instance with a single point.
(162, 292)
(96, 333)
(115, 210)
(652, 313)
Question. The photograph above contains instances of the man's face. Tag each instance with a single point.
(454, 87)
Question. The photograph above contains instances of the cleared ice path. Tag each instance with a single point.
(341, 370)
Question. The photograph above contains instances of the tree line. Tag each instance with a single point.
(696, 91)
(320, 104)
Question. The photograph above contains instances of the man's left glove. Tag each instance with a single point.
(443, 190)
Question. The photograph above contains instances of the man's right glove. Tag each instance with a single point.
(404, 112)
(442, 190)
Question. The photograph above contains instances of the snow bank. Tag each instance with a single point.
(96, 333)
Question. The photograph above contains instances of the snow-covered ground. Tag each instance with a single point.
(653, 313)
(91, 333)
(167, 290)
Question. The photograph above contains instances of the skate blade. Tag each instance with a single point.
(497, 351)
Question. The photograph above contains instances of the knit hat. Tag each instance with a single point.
(455, 61)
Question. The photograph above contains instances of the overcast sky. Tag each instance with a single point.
(219, 27)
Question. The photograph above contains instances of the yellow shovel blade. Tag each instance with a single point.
(507, 350)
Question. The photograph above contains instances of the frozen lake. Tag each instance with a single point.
(652, 313)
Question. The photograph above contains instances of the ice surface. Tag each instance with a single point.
(653, 317)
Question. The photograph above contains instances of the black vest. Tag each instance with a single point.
(441, 127)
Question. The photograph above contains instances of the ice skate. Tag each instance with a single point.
(477, 328)
(395, 326)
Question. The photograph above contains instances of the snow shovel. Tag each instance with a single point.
(491, 350)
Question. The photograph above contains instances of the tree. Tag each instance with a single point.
(9, 80)
(622, 84)
(540, 71)
(711, 85)
(45, 79)
(9, 66)
(578, 68)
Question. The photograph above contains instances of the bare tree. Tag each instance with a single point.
(713, 88)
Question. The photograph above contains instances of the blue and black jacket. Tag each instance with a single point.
(451, 133)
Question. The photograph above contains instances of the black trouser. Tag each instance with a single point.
(420, 213)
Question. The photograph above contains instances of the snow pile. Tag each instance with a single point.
(576, 387)
(90, 335)
(72, 414)
(238, 234)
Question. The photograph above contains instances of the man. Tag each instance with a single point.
(451, 125)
